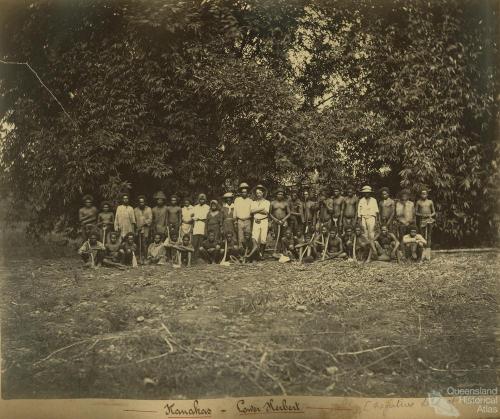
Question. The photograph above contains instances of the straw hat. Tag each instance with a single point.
(367, 189)
(261, 187)
(159, 195)
(228, 195)
(243, 185)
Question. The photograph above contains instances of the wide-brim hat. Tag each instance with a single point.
(261, 187)
(243, 185)
(159, 195)
(202, 196)
(228, 195)
(366, 189)
(214, 201)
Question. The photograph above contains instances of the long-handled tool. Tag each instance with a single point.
(223, 261)
(140, 247)
(104, 234)
(134, 260)
(427, 249)
(326, 248)
(354, 248)
(275, 253)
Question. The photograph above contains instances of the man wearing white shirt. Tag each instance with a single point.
(260, 210)
(368, 213)
(242, 213)
(200, 213)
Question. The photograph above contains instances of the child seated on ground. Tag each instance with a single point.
(210, 249)
(156, 251)
(92, 251)
(168, 244)
(288, 243)
(386, 245)
(413, 244)
(363, 247)
(184, 251)
(335, 248)
(128, 250)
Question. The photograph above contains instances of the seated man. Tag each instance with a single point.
(156, 251)
(128, 250)
(307, 248)
(363, 247)
(321, 240)
(112, 256)
(170, 241)
(92, 251)
(413, 244)
(184, 251)
(386, 244)
(335, 249)
(233, 249)
(288, 243)
(249, 248)
(210, 249)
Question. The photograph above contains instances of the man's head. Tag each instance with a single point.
(259, 192)
(306, 194)
(202, 199)
(424, 193)
(174, 235)
(229, 236)
(384, 192)
(185, 240)
(125, 199)
(244, 192)
(187, 202)
(307, 236)
(246, 234)
(93, 237)
(348, 230)
(412, 230)
(211, 236)
(324, 230)
(113, 237)
(129, 238)
(214, 205)
(88, 201)
(288, 233)
(173, 200)
(106, 207)
(280, 194)
(294, 195)
(357, 230)
(350, 191)
(333, 233)
(157, 238)
(228, 198)
(405, 194)
(336, 191)
(141, 199)
(384, 230)
(366, 191)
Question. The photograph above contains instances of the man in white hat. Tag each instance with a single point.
(260, 210)
(368, 213)
(241, 212)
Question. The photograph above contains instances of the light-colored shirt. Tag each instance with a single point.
(88, 248)
(124, 219)
(187, 214)
(242, 207)
(367, 207)
(143, 218)
(200, 211)
(261, 204)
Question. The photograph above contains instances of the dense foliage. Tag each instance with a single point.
(198, 95)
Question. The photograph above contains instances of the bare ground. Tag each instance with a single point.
(330, 328)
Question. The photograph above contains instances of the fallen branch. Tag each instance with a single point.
(475, 250)
(368, 350)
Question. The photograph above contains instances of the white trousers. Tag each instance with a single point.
(259, 231)
(368, 226)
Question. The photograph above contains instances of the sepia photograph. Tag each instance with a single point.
(218, 199)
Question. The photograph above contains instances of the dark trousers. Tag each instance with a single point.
(196, 241)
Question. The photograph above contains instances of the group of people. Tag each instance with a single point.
(304, 227)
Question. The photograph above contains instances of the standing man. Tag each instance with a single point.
(242, 213)
(324, 211)
(87, 216)
(280, 212)
(387, 208)
(309, 212)
(174, 216)
(338, 208)
(405, 213)
(349, 213)
(296, 213)
(260, 211)
(143, 218)
(368, 213)
(228, 215)
(160, 214)
(125, 218)
(200, 214)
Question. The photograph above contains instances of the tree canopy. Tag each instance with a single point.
(194, 95)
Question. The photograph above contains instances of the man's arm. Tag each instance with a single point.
(288, 213)
(433, 211)
(391, 215)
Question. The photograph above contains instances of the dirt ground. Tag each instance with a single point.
(331, 328)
